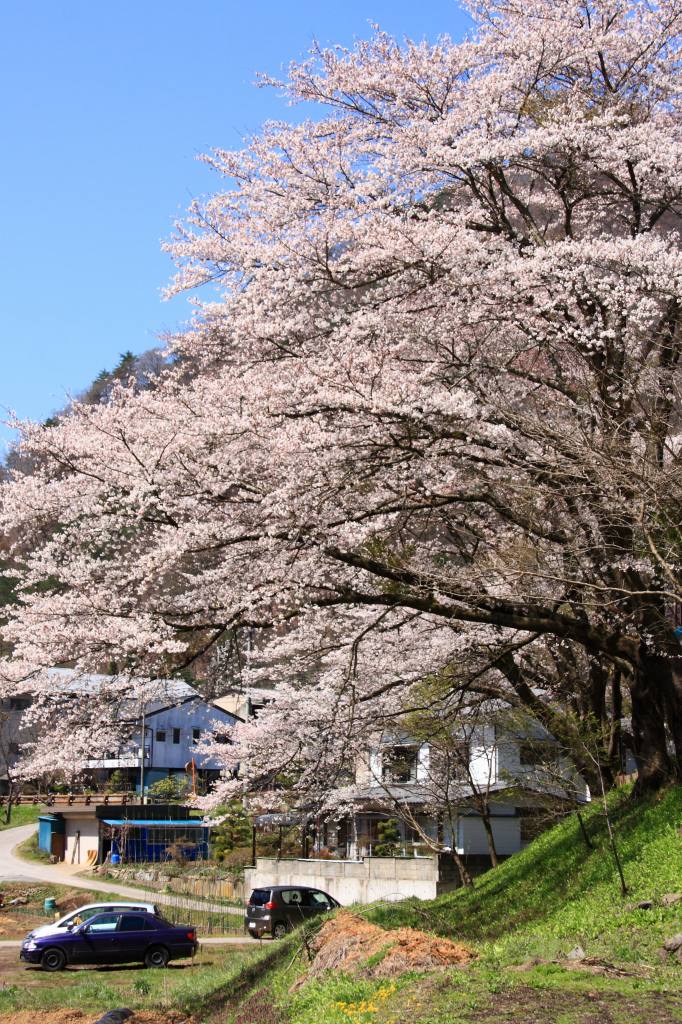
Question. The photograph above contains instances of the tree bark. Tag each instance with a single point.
(464, 876)
(490, 838)
(674, 717)
(650, 684)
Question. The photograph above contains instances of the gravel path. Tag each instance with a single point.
(14, 869)
(208, 940)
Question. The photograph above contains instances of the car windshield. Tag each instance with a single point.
(103, 923)
(259, 897)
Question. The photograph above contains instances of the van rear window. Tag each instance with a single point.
(259, 897)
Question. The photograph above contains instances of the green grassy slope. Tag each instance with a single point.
(24, 814)
(558, 892)
(538, 905)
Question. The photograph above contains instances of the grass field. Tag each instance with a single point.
(183, 985)
(559, 893)
(24, 814)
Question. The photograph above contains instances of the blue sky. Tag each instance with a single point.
(104, 107)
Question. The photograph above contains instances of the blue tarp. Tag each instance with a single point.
(148, 839)
(163, 823)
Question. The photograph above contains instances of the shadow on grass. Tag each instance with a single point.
(558, 869)
(105, 969)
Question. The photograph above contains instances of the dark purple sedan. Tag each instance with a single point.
(113, 938)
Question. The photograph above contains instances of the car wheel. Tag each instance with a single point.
(157, 956)
(279, 930)
(53, 960)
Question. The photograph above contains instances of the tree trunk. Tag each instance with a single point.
(485, 818)
(674, 716)
(615, 750)
(651, 684)
(464, 876)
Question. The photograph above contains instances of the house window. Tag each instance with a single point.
(461, 759)
(176, 735)
(196, 735)
(19, 703)
(14, 748)
(532, 754)
(160, 735)
(399, 764)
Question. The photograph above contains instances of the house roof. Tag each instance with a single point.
(288, 818)
(155, 694)
(258, 696)
(414, 793)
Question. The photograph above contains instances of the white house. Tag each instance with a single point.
(167, 719)
(515, 774)
(519, 772)
(172, 735)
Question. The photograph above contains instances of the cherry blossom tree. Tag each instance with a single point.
(426, 418)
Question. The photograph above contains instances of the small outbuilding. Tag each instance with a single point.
(90, 831)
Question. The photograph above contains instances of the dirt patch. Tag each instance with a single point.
(72, 899)
(534, 1006)
(80, 1017)
(17, 921)
(434, 998)
(16, 925)
(259, 1008)
(351, 944)
(589, 964)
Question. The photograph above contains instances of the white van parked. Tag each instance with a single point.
(76, 917)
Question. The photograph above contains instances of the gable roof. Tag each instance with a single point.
(138, 693)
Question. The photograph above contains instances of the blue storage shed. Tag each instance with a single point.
(51, 829)
(147, 839)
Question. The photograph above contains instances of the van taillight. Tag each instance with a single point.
(270, 905)
(192, 934)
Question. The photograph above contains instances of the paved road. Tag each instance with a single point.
(14, 869)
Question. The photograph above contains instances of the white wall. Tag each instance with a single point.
(193, 714)
(89, 838)
(483, 756)
(351, 881)
(506, 833)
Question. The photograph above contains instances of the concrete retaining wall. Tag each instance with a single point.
(351, 881)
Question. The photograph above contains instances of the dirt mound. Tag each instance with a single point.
(15, 926)
(72, 900)
(350, 943)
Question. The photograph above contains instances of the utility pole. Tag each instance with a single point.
(142, 737)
